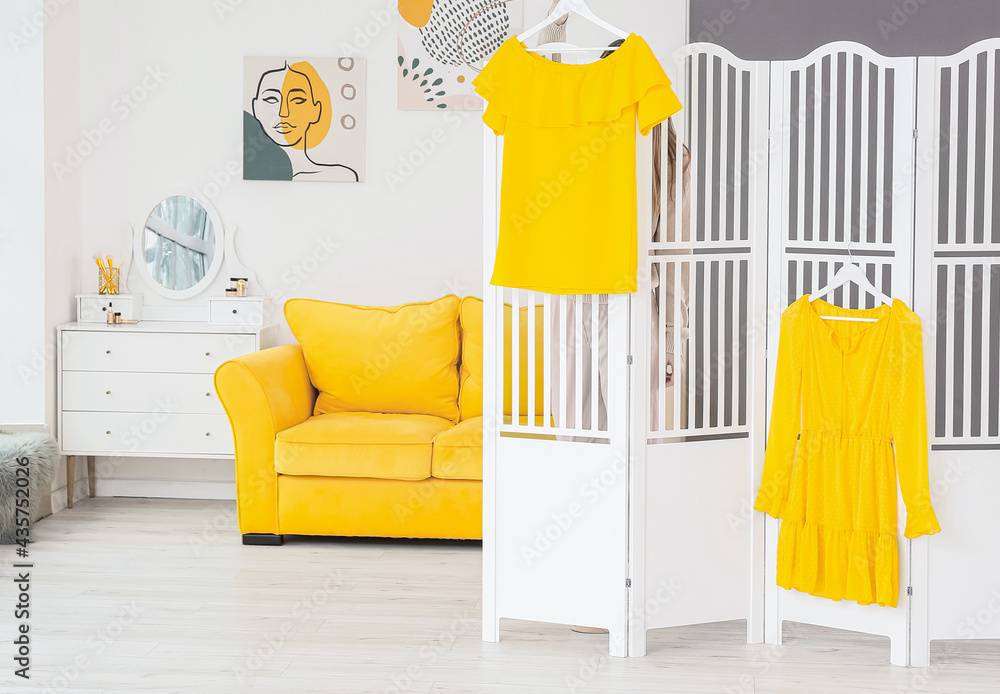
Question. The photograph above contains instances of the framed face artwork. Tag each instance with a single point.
(442, 46)
(304, 119)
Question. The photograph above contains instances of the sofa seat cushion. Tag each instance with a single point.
(458, 451)
(360, 444)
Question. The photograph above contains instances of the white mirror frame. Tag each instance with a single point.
(221, 243)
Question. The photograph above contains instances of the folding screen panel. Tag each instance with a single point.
(958, 291)
(555, 452)
(840, 191)
(698, 341)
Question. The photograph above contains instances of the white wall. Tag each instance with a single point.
(62, 197)
(415, 241)
(22, 215)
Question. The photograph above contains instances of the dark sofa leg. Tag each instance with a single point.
(263, 539)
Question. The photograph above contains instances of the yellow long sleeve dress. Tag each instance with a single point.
(848, 414)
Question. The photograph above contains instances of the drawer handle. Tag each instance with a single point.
(234, 311)
(208, 354)
(208, 433)
(107, 392)
(108, 432)
(107, 351)
(208, 395)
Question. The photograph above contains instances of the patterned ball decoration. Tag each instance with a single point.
(440, 35)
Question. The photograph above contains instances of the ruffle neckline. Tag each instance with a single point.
(533, 89)
(537, 61)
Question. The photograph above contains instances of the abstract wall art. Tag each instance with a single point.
(432, 73)
(304, 119)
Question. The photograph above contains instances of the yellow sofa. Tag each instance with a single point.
(370, 426)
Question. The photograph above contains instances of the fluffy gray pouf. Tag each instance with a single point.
(42, 454)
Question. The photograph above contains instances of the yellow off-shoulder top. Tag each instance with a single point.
(568, 192)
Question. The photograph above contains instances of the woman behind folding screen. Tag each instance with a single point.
(664, 221)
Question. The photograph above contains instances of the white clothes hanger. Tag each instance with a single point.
(849, 272)
(564, 7)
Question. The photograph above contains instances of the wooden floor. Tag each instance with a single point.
(136, 595)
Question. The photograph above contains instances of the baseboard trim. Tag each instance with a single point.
(57, 499)
(167, 489)
(80, 492)
(25, 429)
(153, 489)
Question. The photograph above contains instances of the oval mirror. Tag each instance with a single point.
(180, 246)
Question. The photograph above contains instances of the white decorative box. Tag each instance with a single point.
(237, 310)
(93, 308)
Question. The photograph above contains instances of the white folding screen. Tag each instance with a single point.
(626, 504)
(555, 452)
(840, 191)
(958, 296)
(698, 441)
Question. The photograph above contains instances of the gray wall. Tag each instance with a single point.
(789, 29)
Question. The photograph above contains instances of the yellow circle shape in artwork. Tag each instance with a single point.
(307, 98)
(416, 12)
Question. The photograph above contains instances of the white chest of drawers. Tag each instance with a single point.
(146, 390)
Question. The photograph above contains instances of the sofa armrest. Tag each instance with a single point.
(263, 393)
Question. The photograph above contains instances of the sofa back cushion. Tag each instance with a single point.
(391, 359)
(471, 397)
